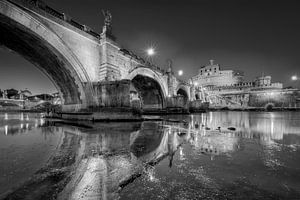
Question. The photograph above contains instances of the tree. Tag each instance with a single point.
(11, 92)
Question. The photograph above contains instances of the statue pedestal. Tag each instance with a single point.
(107, 33)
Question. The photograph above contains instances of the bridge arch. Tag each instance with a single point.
(182, 90)
(151, 87)
(23, 32)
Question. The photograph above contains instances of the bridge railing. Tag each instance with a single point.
(93, 33)
(76, 24)
(54, 12)
(42, 6)
(142, 60)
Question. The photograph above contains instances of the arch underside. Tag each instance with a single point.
(182, 92)
(149, 91)
(44, 56)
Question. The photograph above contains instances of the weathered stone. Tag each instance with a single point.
(87, 68)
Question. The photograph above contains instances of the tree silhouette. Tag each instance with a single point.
(11, 92)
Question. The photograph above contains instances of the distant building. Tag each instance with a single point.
(213, 75)
(226, 88)
(265, 81)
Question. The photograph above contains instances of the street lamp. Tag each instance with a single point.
(294, 78)
(150, 51)
(180, 72)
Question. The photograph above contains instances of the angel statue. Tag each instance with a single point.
(107, 28)
(107, 18)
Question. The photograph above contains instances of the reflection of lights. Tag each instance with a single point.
(192, 120)
(27, 117)
(150, 174)
(151, 177)
(272, 127)
(5, 116)
(22, 117)
(42, 121)
(202, 118)
(36, 123)
(21, 125)
(27, 126)
(6, 129)
(181, 154)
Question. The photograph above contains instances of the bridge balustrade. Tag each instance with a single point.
(54, 12)
(41, 5)
(93, 33)
(76, 24)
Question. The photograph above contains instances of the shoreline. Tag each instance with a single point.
(162, 113)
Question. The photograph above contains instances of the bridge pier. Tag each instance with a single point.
(123, 100)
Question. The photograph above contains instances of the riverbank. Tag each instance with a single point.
(260, 109)
(131, 115)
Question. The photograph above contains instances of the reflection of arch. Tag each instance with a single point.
(146, 140)
(150, 87)
(151, 142)
(269, 106)
(36, 42)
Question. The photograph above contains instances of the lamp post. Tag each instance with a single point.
(180, 72)
(294, 78)
(150, 51)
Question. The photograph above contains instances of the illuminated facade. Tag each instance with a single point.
(213, 75)
(226, 88)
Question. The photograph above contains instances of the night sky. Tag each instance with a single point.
(257, 37)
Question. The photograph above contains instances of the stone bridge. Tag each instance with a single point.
(88, 69)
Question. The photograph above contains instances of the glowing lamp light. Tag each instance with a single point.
(150, 52)
(196, 83)
(180, 72)
(294, 78)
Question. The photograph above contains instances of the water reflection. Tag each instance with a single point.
(18, 123)
(102, 162)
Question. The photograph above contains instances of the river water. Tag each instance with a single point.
(182, 157)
